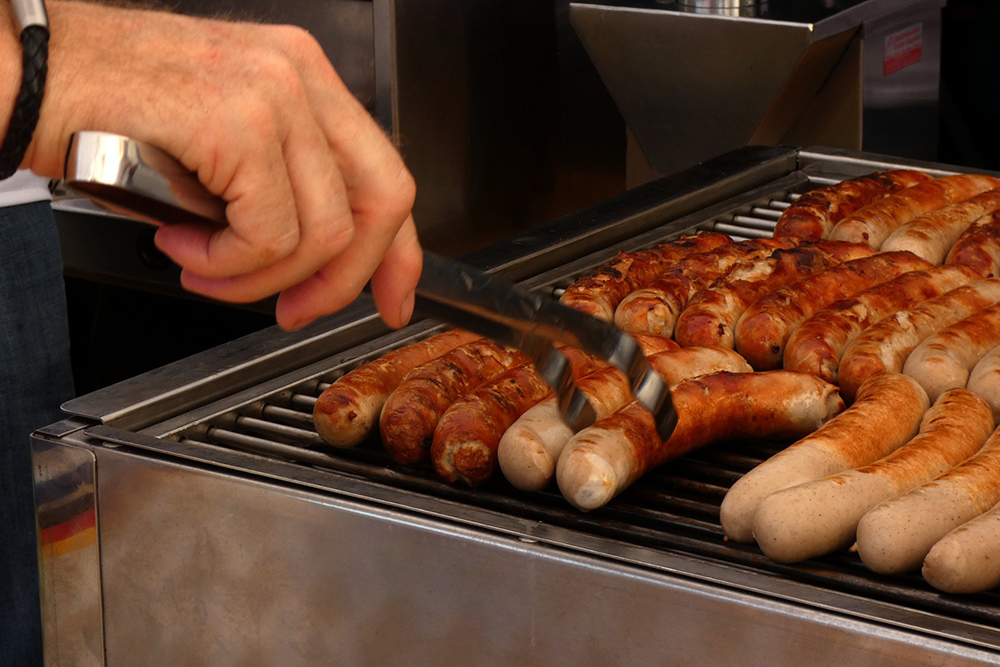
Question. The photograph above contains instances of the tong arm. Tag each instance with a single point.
(466, 297)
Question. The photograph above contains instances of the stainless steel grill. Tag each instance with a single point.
(444, 573)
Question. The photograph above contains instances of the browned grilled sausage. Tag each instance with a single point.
(818, 517)
(601, 461)
(466, 438)
(816, 345)
(412, 411)
(885, 416)
(598, 293)
(764, 328)
(653, 344)
(933, 234)
(979, 247)
(814, 214)
(873, 223)
(530, 448)
(896, 535)
(885, 345)
(654, 308)
(944, 360)
(346, 411)
(711, 314)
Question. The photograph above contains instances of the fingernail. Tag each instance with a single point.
(406, 310)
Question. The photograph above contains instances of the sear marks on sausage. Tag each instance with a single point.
(875, 222)
(817, 345)
(764, 329)
(598, 293)
(346, 411)
(710, 317)
(814, 214)
(655, 307)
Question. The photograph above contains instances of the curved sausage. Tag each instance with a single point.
(599, 292)
(885, 416)
(763, 330)
(601, 461)
(944, 360)
(985, 380)
(413, 409)
(873, 223)
(814, 214)
(965, 560)
(933, 234)
(896, 535)
(979, 247)
(528, 451)
(465, 441)
(816, 345)
(818, 517)
(655, 307)
(885, 345)
(711, 314)
(346, 411)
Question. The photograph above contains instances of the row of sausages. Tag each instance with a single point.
(718, 311)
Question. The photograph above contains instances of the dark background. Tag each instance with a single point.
(118, 332)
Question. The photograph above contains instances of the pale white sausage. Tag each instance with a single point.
(818, 517)
(886, 414)
(967, 560)
(895, 536)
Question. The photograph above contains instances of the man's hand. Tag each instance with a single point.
(318, 199)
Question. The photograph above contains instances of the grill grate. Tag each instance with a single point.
(674, 508)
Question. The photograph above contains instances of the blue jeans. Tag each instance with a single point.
(35, 378)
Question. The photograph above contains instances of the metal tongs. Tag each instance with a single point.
(141, 181)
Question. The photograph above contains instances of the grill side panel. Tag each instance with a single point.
(204, 567)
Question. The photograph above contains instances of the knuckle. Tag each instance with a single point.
(277, 247)
(336, 233)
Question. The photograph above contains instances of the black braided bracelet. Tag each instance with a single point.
(35, 40)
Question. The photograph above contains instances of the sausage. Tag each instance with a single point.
(985, 380)
(885, 416)
(816, 345)
(654, 308)
(412, 410)
(885, 345)
(979, 247)
(528, 451)
(464, 447)
(763, 330)
(814, 214)
(818, 517)
(933, 234)
(711, 314)
(346, 411)
(896, 535)
(599, 292)
(873, 223)
(601, 461)
(965, 560)
(944, 360)
(653, 344)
